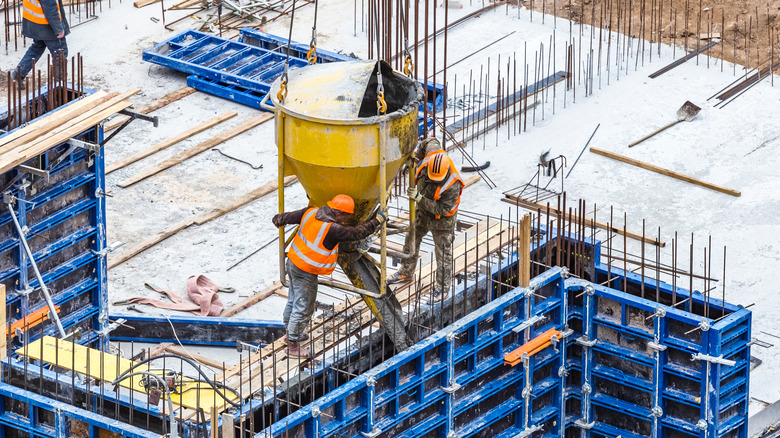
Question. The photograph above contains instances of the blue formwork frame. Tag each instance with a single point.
(29, 419)
(75, 194)
(440, 379)
(627, 366)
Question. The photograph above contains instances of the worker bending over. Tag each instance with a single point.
(437, 195)
(314, 251)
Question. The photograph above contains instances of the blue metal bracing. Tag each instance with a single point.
(34, 415)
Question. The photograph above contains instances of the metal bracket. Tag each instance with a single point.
(109, 249)
(528, 432)
(701, 424)
(656, 412)
(111, 327)
(760, 343)
(660, 311)
(583, 425)
(655, 346)
(35, 171)
(525, 324)
(99, 193)
(91, 147)
(585, 342)
(151, 119)
(375, 432)
(704, 325)
(566, 333)
(450, 389)
(713, 359)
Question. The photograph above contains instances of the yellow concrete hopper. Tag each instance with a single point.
(331, 137)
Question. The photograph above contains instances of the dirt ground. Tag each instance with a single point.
(750, 25)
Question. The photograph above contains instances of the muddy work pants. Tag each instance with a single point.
(301, 301)
(443, 237)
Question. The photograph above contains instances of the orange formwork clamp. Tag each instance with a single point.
(532, 347)
(32, 320)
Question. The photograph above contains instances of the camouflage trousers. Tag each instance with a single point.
(442, 241)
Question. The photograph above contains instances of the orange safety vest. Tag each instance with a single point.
(447, 183)
(33, 11)
(307, 251)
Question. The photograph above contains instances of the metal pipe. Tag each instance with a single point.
(52, 311)
(383, 205)
(280, 195)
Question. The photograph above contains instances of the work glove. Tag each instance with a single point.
(381, 216)
(277, 221)
(413, 194)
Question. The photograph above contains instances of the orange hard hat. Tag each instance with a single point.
(343, 203)
(438, 168)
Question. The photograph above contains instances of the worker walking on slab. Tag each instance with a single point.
(44, 22)
(313, 252)
(437, 195)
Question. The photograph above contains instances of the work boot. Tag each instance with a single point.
(304, 337)
(294, 349)
(398, 277)
(15, 78)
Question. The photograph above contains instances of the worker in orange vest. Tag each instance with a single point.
(437, 194)
(313, 252)
(44, 22)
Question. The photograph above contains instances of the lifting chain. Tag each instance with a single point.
(408, 64)
(282, 94)
(311, 55)
(381, 105)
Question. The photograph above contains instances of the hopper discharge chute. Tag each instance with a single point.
(329, 134)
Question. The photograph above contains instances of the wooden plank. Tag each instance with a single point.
(242, 201)
(24, 153)
(524, 251)
(197, 149)
(663, 171)
(251, 300)
(151, 106)
(209, 362)
(169, 142)
(142, 3)
(533, 206)
(201, 219)
(159, 349)
(51, 120)
(228, 426)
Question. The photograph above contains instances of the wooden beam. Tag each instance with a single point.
(228, 426)
(663, 171)
(151, 106)
(197, 220)
(524, 251)
(53, 119)
(169, 142)
(251, 300)
(197, 149)
(209, 362)
(65, 131)
(142, 3)
(533, 206)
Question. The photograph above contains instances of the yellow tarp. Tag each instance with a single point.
(107, 367)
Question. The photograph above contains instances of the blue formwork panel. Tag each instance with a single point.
(218, 59)
(64, 220)
(454, 381)
(24, 413)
